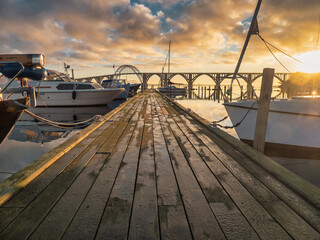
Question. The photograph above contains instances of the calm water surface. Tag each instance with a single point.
(29, 139)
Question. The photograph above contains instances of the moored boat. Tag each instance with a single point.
(63, 93)
(292, 130)
(10, 112)
(173, 91)
(130, 89)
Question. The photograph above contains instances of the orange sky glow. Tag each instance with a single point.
(206, 35)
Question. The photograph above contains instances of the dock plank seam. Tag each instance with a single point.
(185, 114)
(274, 185)
(107, 129)
(13, 184)
(117, 133)
(265, 205)
(218, 232)
(5, 221)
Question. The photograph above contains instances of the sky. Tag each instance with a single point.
(205, 35)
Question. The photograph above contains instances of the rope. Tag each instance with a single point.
(1, 172)
(216, 124)
(66, 125)
(273, 54)
(279, 49)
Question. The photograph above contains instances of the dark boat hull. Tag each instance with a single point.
(133, 89)
(10, 114)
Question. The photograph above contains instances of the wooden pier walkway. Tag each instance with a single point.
(153, 170)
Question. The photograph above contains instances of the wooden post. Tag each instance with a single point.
(72, 72)
(190, 85)
(144, 82)
(263, 110)
(249, 87)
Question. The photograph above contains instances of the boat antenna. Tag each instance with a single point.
(253, 30)
(165, 63)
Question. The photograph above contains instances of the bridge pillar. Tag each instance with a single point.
(144, 83)
(249, 87)
(166, 80)
(190, 86)
(217, 88)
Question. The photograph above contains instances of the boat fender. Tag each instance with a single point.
(74, 95)
(25, 93)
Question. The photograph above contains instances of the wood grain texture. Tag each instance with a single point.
(155, 171)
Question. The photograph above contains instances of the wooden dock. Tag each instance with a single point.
(154, 170)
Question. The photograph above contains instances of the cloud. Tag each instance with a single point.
(205, 34)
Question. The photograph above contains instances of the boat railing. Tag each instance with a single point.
(26, 92)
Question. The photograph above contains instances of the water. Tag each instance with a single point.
(29, 139)
(212, 111)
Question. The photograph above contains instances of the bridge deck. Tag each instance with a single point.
(153, 171)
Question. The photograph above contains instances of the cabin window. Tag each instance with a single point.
(65, 86)
(85, 86)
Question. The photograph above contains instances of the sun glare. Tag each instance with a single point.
(311, 62)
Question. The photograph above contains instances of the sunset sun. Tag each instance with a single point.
(311, 62)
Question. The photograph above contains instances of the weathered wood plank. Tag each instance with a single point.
(200, 217)
(265, 187)
(300, 195)
(32, 215)
(173, 224)
(144, 222)
(258, 217)
(116, 217)
(233, 223)
(168, 192)
(16, 182)
(288, 218)
(237, 227)
(28, 193)
(172, 216)
(87, 219)
(55, 223)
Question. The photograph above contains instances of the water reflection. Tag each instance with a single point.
(213, 111)
(31, 139)
(210, 110)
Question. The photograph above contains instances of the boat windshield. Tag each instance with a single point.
(78, 86)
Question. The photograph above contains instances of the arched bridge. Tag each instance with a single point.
(190, 77)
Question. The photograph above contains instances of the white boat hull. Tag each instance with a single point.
(68, 98)
(293, 126)
(80, 98)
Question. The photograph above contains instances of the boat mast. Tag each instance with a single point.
(169, 58)
(252, 30)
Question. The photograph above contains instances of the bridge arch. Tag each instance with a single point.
(130, 70)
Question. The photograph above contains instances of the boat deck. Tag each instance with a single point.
(152, 170)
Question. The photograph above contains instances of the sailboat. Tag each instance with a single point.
(18, 66)
(166, 85)
(293, 124)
